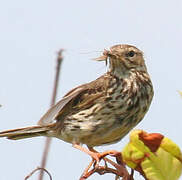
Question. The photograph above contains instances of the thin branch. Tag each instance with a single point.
(120, 169)
(103, 170)
(53, 99)
(56, 81)
(37, 169)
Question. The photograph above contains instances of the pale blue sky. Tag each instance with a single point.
(30, 34)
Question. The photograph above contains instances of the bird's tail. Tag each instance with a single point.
(26, 132)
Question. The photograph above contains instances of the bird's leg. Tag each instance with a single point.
(94, 155)
(91, 152)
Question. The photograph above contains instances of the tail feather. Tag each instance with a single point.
(26, 132)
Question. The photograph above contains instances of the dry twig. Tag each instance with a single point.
(48, 140)
(37, 169)
(120, 169)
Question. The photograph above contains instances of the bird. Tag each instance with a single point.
(102, 111)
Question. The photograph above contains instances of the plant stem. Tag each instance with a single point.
(53, 99)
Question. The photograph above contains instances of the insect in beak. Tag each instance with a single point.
(104, 57)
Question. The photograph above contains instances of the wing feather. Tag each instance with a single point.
(78, 98)
(51, 114)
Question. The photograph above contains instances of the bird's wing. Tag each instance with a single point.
(78, 98)
(51, 114)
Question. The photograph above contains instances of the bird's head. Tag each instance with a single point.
(123, 58)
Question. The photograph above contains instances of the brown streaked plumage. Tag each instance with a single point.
(102, 111)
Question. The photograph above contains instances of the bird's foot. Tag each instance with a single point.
(96, 156)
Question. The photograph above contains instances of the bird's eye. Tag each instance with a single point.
(131, 53)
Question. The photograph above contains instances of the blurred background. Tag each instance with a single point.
(31, 33)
